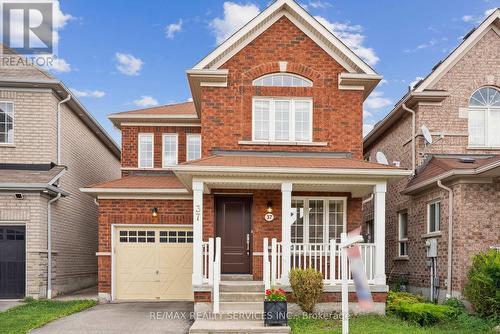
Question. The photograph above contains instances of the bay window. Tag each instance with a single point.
(282, 119)
(484, 118)
(318, 220)
(146, 150)
(169, 149)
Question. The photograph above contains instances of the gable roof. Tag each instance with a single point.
(423, 92)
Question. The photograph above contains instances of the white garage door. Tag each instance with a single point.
(154, 263)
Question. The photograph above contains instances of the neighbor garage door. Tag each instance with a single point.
(154, 263)
(12, 262)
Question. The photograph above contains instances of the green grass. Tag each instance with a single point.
(36, 313)
(375, 324)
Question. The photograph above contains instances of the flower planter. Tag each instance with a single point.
(275, 313)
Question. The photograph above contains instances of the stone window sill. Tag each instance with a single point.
(402, 258)
(7, 145)
(431, 235)
(282, 143)
(483, 147)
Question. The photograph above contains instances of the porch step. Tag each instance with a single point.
(241, 307)
(241, 286)
(235, 327)
(236, 277)
(241, 296)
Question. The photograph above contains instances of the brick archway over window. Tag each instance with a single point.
(273, 67)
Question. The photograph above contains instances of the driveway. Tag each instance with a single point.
(122, 318)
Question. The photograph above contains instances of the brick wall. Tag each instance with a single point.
(130, 143)
(227, 112)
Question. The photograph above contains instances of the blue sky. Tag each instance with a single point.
(122, 55)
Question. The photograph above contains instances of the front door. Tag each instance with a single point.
(233, 226)
(12, 262)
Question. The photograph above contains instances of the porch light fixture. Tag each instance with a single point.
(154, 212)
(269, 207)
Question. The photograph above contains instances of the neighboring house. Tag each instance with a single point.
(270, 147)
(459, 103)
(49, 147)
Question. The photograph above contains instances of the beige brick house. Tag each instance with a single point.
(454, 196)
(50, 146)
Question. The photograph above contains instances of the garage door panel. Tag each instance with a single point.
(154, 263)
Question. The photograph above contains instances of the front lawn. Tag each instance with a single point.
(36, 313)
(375, 324)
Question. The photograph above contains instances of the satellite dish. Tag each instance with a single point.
(381, 158)
(427, 135)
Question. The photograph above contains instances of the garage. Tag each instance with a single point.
(12, 262)
(153, 263)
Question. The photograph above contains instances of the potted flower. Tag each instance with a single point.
(275, 309)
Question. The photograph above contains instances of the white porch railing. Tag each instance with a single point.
(325, 258)
(211, 268)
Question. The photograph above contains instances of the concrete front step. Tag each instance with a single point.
(241, 307)
(235, 327)
(241, 286)
(236, 277)
(241, 296)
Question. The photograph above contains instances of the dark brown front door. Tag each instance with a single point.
(12, 261)
(233, 226)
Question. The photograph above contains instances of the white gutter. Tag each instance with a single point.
(450, 235)
(413, 134)
(49, 246)
(59, 127)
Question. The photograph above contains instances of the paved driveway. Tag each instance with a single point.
(123, 318)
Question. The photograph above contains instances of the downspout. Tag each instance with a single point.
(450, 235)
(413, 135)
(367, 200)
(59, 127)
(49, 245)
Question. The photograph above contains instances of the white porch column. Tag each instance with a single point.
(379, 227)
(286, 233)
(197, 233)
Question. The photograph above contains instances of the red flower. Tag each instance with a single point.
(268, 292)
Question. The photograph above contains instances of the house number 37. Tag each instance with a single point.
(269, 217)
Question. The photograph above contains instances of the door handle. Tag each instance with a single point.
(157, 272)
(248, 244)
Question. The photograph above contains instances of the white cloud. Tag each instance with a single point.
(189, 99)
(128, 64)
(467, 18)
(235, 17)
(172, 29)
(145, 101)
(488, 12)
(367, 113)
(383, 82)
(367, 127)
(376, 100)
(478, 18)
(414, 82)
(320, 4)
(60, 65)
(88, 93)
(352, 36)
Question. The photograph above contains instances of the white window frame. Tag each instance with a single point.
(13, 124)
(429, 216)
(326, 216)
(140, 135)
(291, 121)
(402, 240)
(163, 136)
(309, 82)
(487, 142)
(190, 135)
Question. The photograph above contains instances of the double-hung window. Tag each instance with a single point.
(317, 220)
(282, 119)
(484, 118)
(193, 143)
(169, 149)
(146, 151)
(433, 216)
(6, 123)
(403, 233)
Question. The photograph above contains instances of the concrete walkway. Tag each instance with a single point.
(124, 318)
(7, 304)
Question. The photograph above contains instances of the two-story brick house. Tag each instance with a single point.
(275, 127)
(50, 146)
(456, 186)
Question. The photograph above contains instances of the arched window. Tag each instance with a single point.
(484, 118)
(282, 80)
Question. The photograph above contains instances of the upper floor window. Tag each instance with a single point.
(193, 143)
(169, 149)
(484, 118)
(146, 150)
(282, 80)
(433, 216)
(6, 123)
(278, 119)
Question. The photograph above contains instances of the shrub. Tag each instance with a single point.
(424, 314)
(307, 286)
(396, 297)
(483, 286)
(455, 303)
